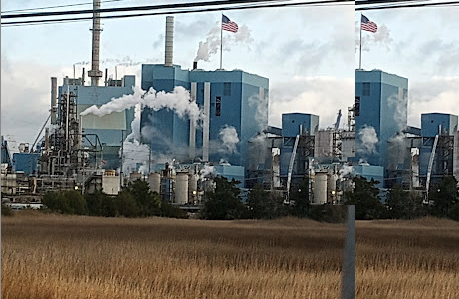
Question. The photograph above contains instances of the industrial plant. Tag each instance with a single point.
(199, 124)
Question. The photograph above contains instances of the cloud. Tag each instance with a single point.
(26, 99)
(323, 96)
(439, 94)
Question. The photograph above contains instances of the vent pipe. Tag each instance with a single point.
(82, 77)
(169, 44)
(53, 100)
(195, 65)
(95, 73)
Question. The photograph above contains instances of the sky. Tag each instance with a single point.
(420, 44)
(306, 52)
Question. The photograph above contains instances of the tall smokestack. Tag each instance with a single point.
(95, 73)
(169, 44)
(53, 100)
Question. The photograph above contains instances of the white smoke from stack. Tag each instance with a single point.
(259, 103)
(381, 37)
(134, 152)
(397, 103)
(229, 138)
(347, 170)
(368, 140)
(211, 45)
(178, 101)
(206, 171)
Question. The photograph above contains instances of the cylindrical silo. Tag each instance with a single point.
(134, 176)
(320, 188)
(169, 44)
(181, 188)
(154, 182)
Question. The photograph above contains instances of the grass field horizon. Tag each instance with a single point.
(57, 256)
(407, 259)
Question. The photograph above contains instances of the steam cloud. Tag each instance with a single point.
(228, 136)
(211, 45)
(381, 37)
(368, 140)
(178, 101)
(347, 170)
(206, 171)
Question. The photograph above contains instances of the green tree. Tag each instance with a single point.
(6, 211)
(263, 204)
(365, 197)
(126, 205)
(403, 204)
(171, 211)
(444, 196)
(149, 203)
(299, 195)
(75, 201)
(224, 203)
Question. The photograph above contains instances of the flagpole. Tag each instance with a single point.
(221, 42)
(360, 44)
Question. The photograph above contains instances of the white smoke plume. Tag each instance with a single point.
(229, 138)
(347, 170)
(178, 101)
(369, 139)
(211, 45)
(400, 110)
(381, 37)
(363, 162)
(206, 171)
(261, 114)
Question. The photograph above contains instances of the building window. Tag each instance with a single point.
(218, 106)
(366, 89)
(227, 88)
(357, 106)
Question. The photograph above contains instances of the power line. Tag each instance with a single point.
(364, 6)
(184, 11)
(58, 6)
(157, 7)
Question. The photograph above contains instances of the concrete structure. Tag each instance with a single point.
(380, 102)
(228, 98)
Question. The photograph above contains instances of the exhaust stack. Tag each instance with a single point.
(169, 44)
(95, 73)
(53, 100)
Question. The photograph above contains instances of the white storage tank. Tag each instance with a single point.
(154, 182)
(320, 188)
(181, 188)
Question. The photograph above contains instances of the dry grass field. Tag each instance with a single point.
(53, 256)
(407, 259)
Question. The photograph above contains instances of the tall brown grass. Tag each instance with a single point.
(52, 256)
(407, 259)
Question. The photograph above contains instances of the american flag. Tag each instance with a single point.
(367, 25)
(228, 25)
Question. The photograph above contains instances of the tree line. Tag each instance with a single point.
(442, 201)
(135, 200)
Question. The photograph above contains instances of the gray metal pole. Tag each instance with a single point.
(348, 288)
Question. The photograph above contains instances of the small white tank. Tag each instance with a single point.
(320, 188)
(154, 182)
(181, 188)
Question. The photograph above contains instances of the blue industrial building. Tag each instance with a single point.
(294, 124)
(445, 126)
(110, 128)
(380, 102)
(370, 172)
(228, 98)
(26, 162)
